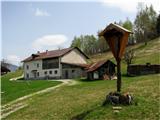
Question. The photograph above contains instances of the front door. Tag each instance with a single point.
(35, 74)
(66, 74)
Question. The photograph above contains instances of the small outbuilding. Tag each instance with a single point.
(135, 70)
(4, 70)
(104, 69)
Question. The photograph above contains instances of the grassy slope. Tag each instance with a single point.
(67, 102)
(143, 54)
(141, 51)
(15, 89)
(145, 92)
(86, 98)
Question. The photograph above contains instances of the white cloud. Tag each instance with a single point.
(40, 12)
(49, 42)
(14, 59)
(130, 6)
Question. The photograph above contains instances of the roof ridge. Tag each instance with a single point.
(53, 54)
(49, 54)
(55, 50)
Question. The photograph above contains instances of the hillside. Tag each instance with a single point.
(83, 101)
(151, 53)
(10, 66)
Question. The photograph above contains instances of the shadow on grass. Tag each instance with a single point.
(21, 79)
(87, 80)
(82, 115)
(127, 76)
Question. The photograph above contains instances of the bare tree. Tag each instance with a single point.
(129, 56)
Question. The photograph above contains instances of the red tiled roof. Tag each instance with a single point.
(96, 65)
(51, 54)
(48, 54)
(90, 67)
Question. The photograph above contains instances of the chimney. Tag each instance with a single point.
(38, 52)
(46, 51)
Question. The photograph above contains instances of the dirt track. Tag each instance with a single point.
(21, 102)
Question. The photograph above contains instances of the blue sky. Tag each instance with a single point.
(31, 26)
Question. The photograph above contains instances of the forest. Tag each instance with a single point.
(145, 27)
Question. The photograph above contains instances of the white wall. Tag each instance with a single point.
(33, 66)
(74, 57)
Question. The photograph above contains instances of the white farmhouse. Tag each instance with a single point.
(64, 63)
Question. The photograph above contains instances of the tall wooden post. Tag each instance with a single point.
(118, 75)
(118, 59)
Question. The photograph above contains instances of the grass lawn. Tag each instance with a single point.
(12, 90)
(85, 100)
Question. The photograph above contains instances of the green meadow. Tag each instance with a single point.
(83, 101)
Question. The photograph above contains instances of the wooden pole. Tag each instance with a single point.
(118, 67)
(118, 75)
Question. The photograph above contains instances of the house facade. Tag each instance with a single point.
(65, 63)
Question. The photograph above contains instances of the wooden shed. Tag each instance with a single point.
(4, 70)
(135, 70)
(101, 70)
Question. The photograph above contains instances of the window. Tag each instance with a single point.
(45, 72)
(27, 75)
(50, 72)
(27, 67)
(38, 74)
(37, 65)
(73, 71)
(55, 72)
